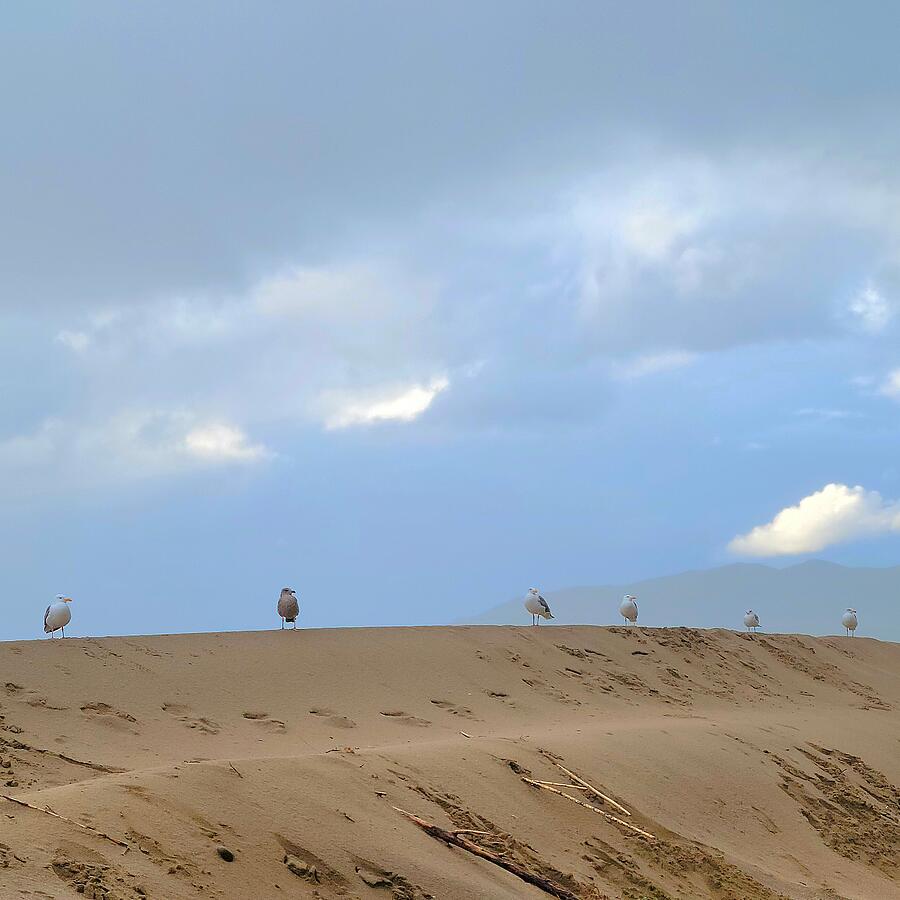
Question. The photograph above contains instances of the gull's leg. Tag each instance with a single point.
(64, 631)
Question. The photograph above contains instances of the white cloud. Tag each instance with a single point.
(872, 310)
(890, 387)
(835, 514)
(350, 290)
(384, 405)
(129, 446)
(826, 414)
(74, 340)
(222, 443)
(653, 364)
(653, 231)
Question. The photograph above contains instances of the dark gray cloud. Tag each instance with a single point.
(170, 148)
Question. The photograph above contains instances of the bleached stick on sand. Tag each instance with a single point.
(591, 788)
(448, 837)
(574, 787)
(50, 812)
(601, 812)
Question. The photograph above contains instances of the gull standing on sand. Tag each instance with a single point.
(751, 620)
(849, 620)
(288, 607)
(57, 615)
(537, 606)
(628, 608)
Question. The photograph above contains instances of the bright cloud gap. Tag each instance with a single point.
(403, 405)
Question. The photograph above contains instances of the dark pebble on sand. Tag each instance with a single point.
(225, 853)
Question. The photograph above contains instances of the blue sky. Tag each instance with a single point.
(412, 308)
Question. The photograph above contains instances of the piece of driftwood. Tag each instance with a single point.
(565, 784)
(591, 788)
(448, 837)
(233, 769)
(601, 812)
(49, 812)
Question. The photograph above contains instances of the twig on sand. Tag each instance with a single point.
(49, 812)
(565, 784)
(601, 812)
(465, 734)
(590, 787)
(233, 769)
(449, 837)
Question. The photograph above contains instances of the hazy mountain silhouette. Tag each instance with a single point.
(808, 597)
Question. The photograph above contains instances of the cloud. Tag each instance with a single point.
(653, 364)
(74, 340)
(131, 446)
(709, 252)
(826, 413)
(834, 515)
(890, 387)
(222, 443)
(351, 288)
(401, 405)
(871, 310)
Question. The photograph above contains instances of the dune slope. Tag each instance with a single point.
(763, 766)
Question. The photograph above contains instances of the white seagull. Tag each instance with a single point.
(58, 615)
(537, 606)
(288, 607)
(849, 620)
(628, 608)
(751, 620)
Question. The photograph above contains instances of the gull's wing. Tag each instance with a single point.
(46, 613)
(543, 603)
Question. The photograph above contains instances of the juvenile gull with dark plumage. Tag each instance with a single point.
(288, 607)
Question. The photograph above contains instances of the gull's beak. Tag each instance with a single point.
(67, 599)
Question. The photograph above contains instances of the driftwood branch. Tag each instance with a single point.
(591, 788)
(233, 769)
(49, 812)
(609, 816)
(565, 784)
(449, 837)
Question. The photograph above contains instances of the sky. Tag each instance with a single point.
(412, 306)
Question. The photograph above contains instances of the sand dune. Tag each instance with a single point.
(763, 766)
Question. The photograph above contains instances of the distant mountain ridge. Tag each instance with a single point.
(808, 597)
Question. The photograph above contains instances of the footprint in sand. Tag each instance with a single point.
(397, 715)
(332, 718)
(265, 721)
(109, 715)
(186, 717)
(455, 710)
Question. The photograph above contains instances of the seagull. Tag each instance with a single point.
(288, 607)
(628, 608)
(58, 615)
(537, 606)
(849, 620)
(751, 620)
